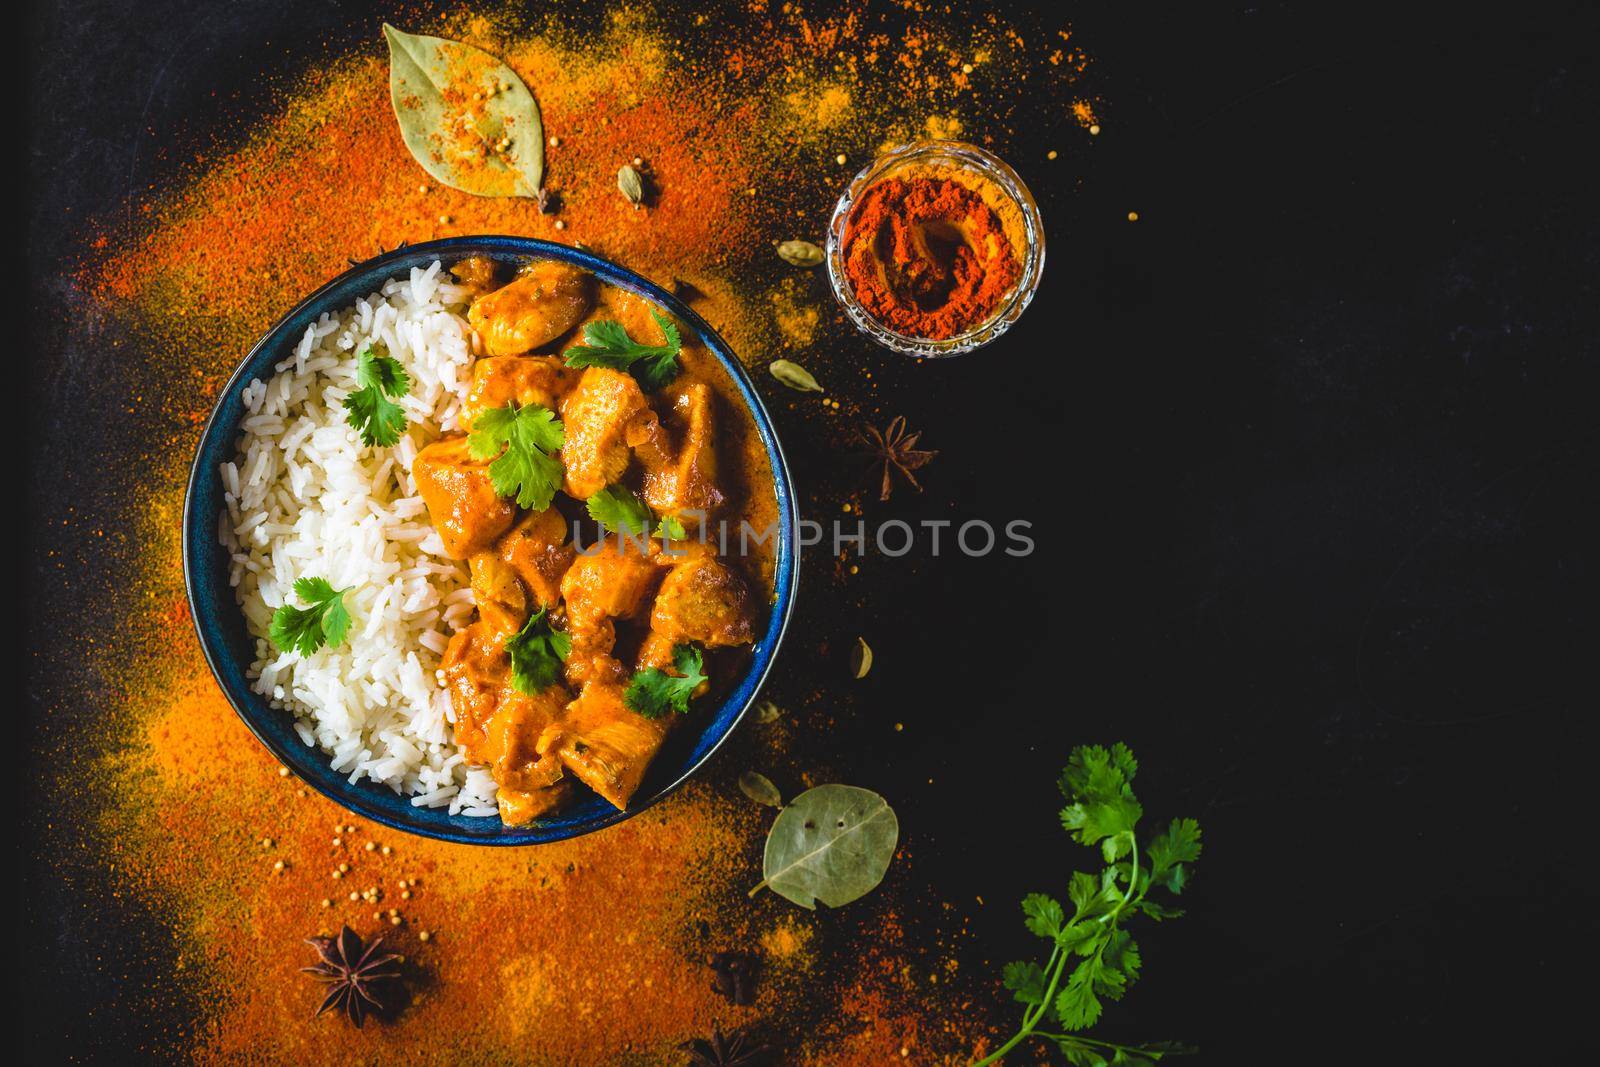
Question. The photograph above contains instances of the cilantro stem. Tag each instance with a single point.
(1030, 1018)
(1016, 1039)
(1058, 963)
(1133, 876)
(1078, 1039)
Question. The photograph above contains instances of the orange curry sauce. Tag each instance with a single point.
(625, 602)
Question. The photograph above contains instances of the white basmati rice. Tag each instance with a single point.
(306, 499)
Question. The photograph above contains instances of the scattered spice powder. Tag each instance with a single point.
(184, 797)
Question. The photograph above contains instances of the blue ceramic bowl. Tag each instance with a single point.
(229, 648)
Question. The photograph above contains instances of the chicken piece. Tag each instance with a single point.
(611, 582)
(500, 380)
(536, 549)
(498, 592)
(703, 601)
(544, 302)
(530, 782)
(634, 313)
(605, 744)
(522, 570)
(462, 503)
(597, 414)
(499, 727)
(649, 440)
(687, 481)
(477, 272)
(476, 672)
(519, 807)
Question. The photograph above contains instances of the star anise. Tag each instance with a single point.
(734, 976)
(352, 972)
(719, 1051)
(894, 448)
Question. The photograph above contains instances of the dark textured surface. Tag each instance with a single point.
(1319, 430)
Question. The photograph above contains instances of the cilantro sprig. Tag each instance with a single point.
(525, 441)
(1091, 955)
(537, 652)
(307, 629)
(654, 693)
(619, 509)
(369, 410)
(607, 344)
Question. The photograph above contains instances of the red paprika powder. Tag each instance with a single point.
(929, 257)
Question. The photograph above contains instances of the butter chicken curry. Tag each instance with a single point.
(582, 654)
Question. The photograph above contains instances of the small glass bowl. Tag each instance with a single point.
(954, 155)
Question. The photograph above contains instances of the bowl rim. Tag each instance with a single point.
(361, 797)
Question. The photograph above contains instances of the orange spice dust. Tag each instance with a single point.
(594, 950)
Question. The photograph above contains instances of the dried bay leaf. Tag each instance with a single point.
(465, 116)
(800, 253)
(861, 658)
(794, 376)
(631, 182)
(832, 843)
(759, 788)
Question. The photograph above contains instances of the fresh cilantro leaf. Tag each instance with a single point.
(607, 344)
(1025, 980)
(653, 692)
(1082, 1055)
(1081, 937)
(305, 630)
(382, 372)
(1083, 891)
(619, 509)
(1110, 982)
(1170, 850)
(379, 422)
(1095, 775)
(1122, 759)
(537, 652)
(527, 468)
(659, 368)
(1122, 955)
(1042, 915)
(1076, 1005)
(1159, 911)
(370, 412)
(314, 589)
(1103, 808)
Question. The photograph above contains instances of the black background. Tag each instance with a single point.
(1310, 453)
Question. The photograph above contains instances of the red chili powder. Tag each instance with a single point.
(928, 257)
